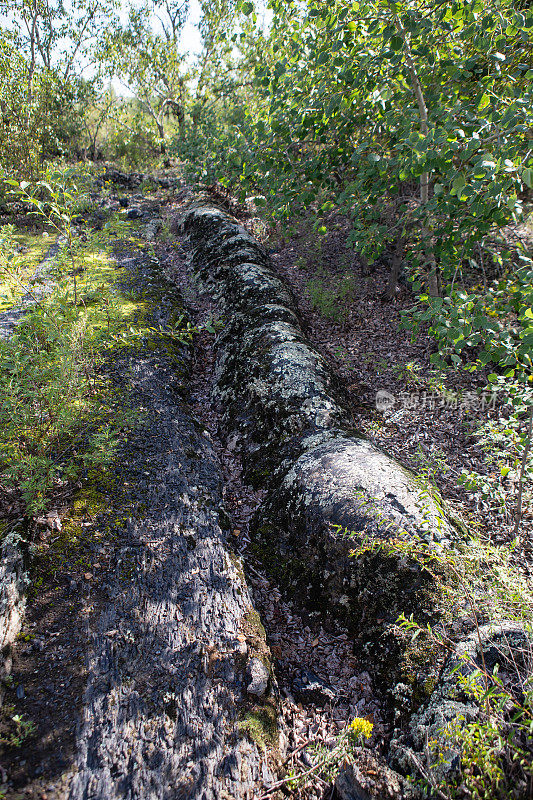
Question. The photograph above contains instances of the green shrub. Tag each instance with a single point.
(59, 414)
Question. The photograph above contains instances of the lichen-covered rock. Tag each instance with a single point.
(338, 494)
(286, 390)
(13, 579)
(258, 676)
(334, 500)
(133, 180)
(505, 644)
(326, 483)
(367, 777)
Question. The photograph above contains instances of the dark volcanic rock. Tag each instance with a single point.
(133, 180)
(127, 180)
(334, 500)
(367, 777)
(167, 655)
(13, 579)
(506, 645)
(134, 213)
(308, 688)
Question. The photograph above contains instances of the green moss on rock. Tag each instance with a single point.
(260, 724)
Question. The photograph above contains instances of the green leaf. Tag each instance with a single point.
(527, 177)
(247, 8)
(396, 43)
(458, 183)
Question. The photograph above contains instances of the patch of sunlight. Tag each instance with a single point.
(31, 249)
(33, 246)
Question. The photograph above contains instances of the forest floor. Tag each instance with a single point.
(429, 426)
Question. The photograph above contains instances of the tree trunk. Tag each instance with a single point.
(162, 143)
(390, 291)
(433, 279)
(419, 94)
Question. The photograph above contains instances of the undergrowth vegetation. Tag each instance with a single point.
(60, 414)
(486, 751)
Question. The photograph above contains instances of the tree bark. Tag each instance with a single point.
(419, 94)
(433, 281)
(161, 131)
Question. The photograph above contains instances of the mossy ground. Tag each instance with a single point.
(259, 717)
(30, 249)
(94, 515)
(116, 311)
(97, 311)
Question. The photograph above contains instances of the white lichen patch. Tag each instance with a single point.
(369, 486)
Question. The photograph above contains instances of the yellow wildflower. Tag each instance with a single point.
(361, 727)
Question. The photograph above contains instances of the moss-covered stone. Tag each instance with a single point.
(260, 724)
(505, 645)
(343, 523)
(253, 627)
